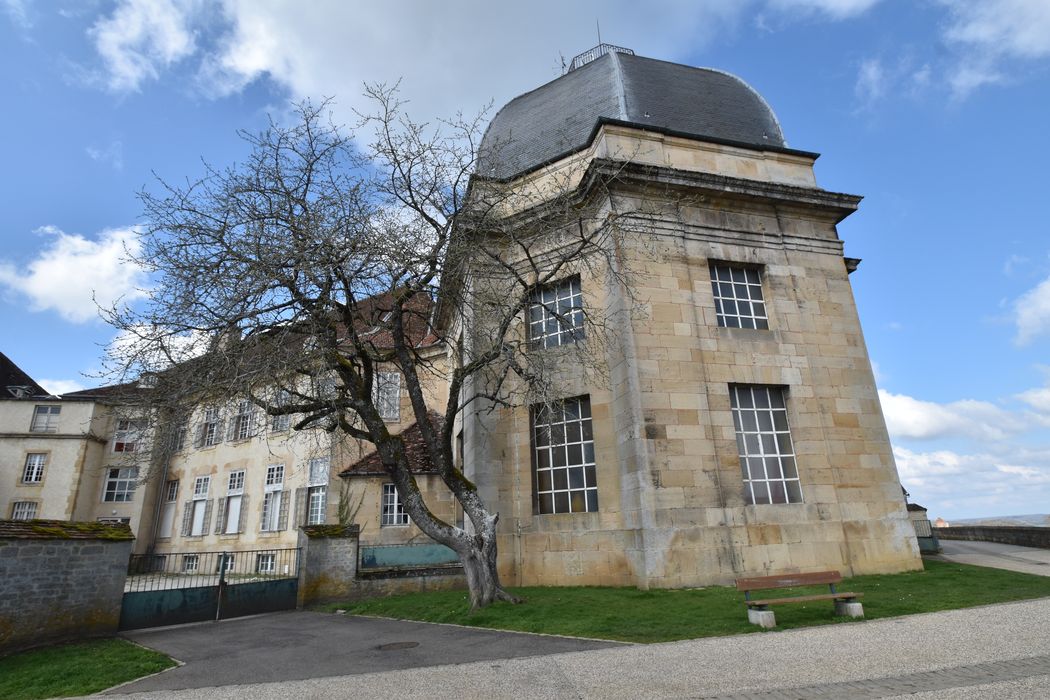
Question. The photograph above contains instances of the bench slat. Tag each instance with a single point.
(759, 583)
(802, 598)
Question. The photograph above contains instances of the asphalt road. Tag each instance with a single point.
(1000, 556)
(298, 645)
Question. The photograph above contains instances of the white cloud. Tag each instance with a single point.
(907, 417)
(989, 34)
(112, 155)
(140, 38)
(72, 272)
(1032, 313)
(836, 9)
(955, 484)
(18, 12)
(871, 81)
(61, 386)
(1038, 399)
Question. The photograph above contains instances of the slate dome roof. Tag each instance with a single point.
(561, 117)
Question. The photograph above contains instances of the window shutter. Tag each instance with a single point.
(198, 434)
(282, 518)
(207, 515)
(244, 513)
(218, 518)
(187, 518)
(299, 518)
(231, 429)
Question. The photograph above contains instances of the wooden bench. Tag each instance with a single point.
(758, 611)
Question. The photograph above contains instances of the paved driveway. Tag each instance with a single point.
(297, 645)
(1000, 556)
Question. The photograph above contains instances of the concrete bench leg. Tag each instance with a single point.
(762, 618)
(849, 608)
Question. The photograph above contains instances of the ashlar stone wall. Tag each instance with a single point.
(60, 581)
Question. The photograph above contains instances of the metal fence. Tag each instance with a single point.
(170, 570)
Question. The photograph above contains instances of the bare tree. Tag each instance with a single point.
(315, 263)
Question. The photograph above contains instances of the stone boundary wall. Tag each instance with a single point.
(60, 581)
(328, 570)
(1021, 536)
(328, 563)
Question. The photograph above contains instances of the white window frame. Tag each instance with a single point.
(563, 457)
(45, 419)
(33, 471)
(386, 393)
(23, 510)
(739, 301)
(201, 486)
(171, 491)
(281, 422)
(191, 563)
(763, 436)
(211, 427)
(392, 512)
(243, 421)
(274, 478)
(266, 563)
(235, 483)
(555, 314)
(271, 511)
(120, 484)
(316, 505)
(231, 513)
(128, 435)
(199, 504)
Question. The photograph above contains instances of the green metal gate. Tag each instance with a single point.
(178, 587)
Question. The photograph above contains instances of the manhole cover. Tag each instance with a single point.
(394, 646)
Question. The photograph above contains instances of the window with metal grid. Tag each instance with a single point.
(120, 484)
(563, 452)
(33, 473)
(393, 509)
(738, 296)
(763, 438)
(23, 510)
(128, 434)
(555, 314)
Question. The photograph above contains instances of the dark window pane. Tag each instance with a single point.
(761, 492)
(558, 455)
(576, 478)
(761, 397)
(572, 432)
(561, 502)
(765, 421)
(752, 275)
(761, 324)
(784, 442)
(769, 444)
(743, 395)
(578, 502)
(575, 454)
(738, 274)
(589, 473)
(585, 408)
(561, 480)
(776, 492)
(543, 459)
(751, 442)
(749, 421)
(794, 492)
(773, 468)
(780, 421)
(777, 397)
(788, 464)
(729, 307)
(558, 434)
(588, 452)
(592, 501)
(546, 503)
(544, 481)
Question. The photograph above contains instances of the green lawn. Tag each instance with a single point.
(628, 614)
(76, 669)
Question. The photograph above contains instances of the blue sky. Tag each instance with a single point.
(934, 110)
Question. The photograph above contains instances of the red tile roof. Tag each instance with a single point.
(418, 456)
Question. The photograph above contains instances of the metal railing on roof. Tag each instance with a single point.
(596, 53)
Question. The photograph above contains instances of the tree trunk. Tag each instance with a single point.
(479, 565)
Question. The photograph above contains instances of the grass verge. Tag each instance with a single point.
(631, 615)
(76, 669)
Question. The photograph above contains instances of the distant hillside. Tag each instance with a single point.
(1007, 520)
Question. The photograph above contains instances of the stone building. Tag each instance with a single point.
(740, 432)
(68, 457)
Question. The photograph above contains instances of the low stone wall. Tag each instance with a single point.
(1021, 536)
(60, 581)
(328, 568)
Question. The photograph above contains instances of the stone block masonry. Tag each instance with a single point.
(60, 581)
